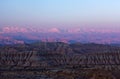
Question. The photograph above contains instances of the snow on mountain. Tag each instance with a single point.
(13, 29)
(15, 35)
(54, 30)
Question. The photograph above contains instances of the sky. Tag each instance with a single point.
(60, 13)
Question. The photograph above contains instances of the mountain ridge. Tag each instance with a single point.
(21, 35)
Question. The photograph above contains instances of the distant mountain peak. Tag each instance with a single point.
(12, 29)
(54, 30)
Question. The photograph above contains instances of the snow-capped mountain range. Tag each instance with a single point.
(15, 35)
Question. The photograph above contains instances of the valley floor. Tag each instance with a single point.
(59, 73)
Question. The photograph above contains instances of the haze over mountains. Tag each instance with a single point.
(21, 35)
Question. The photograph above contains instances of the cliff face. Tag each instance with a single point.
(51, 54)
